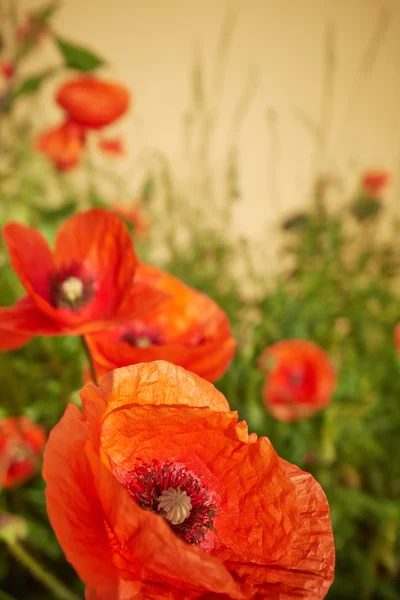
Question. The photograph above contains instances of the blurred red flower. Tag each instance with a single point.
(113, 146)
(21, 445)
(300, 379)
(6, 69)
(91, 102)
(156, 491)
(134, 216)
(81, 287)
(63, 145)
(187, 329)
(375, 182)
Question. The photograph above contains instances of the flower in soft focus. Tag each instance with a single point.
(133, 216)
(112, 147)
(81, 287)
(21, 445)
(187, 329)
(91, 102)
(63, 145)
(6, 69)
(157, 491)
(300, 379)
(375, 182)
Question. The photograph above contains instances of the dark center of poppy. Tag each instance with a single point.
(70, 290)
(141, 335)
(177, 495)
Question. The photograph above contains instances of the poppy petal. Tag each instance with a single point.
(139, 383)
(103, 248)
(73, 507)
(149, 539)
(306, 571)
(31, 258)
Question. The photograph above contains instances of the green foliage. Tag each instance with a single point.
(76, 57)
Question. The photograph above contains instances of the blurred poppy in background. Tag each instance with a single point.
(92, 102)
(21, 445)
(111, 146)
(187, 329)
(146, 493)
(6, 69)
(300, 379)
(83, 286)
(374, 182)
(133, 217)
(63, 144)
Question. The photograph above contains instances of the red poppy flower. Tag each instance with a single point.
(21, 445)
(110, 146)
(92, 102)
(300, 379)
(156, 491)
(374, 182)
(187, 329)
(6, 69)
(83, 286)
(63, 145)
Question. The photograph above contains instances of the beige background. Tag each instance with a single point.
(277, 51)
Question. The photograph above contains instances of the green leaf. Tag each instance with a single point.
(32, 84)
(77, 57)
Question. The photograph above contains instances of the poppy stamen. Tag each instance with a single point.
(141, 335)
(174, 505)
(70, 290)
(177, 495)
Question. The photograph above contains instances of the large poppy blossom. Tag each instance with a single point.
(300, 379)
(21, 445)
(83, 286)
(92, 102)
(62, 144)
(188, 329)
(157, 491)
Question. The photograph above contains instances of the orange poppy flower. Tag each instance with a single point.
(110, 146)
(187, 329)
(374, 182)
(83, 286)
(300, 379)
(92, 102)
(63, 145)
(21, 445)
(157, 491)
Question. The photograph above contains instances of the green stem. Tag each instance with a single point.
(90, 360)
(57, 588)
